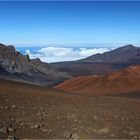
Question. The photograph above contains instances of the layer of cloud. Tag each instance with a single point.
(57, 54)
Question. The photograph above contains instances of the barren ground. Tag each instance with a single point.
(28, 111)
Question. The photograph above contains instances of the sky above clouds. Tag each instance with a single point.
(73, 29)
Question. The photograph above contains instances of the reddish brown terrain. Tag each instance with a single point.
(124, 81)
(42, 112)
(28, 111)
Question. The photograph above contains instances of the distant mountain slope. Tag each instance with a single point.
(125, 54)
(85, 68)
(102, 63)
(19, 67)
(123, 81)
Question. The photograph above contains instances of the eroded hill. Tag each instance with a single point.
(120, 82)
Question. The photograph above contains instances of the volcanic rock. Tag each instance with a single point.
(18, 67)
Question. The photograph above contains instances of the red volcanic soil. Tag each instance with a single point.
(124, 81)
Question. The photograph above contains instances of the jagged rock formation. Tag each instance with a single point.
(19, 65)
(13, 61)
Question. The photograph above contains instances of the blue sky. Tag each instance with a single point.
(86, 22)
(70, 22)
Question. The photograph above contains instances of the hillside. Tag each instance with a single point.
(18, 67)
(101, 63)
(123, 81)
(125, 54)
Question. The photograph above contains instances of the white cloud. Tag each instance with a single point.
(84, 52)
(57, 54)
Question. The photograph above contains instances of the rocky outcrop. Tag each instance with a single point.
(13, 61)
(21, 66)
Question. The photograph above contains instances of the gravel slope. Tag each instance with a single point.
(28, 111)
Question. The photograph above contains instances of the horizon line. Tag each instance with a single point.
(73, 44)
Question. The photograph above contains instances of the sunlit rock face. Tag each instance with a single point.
(20, 67)
(13, 61)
